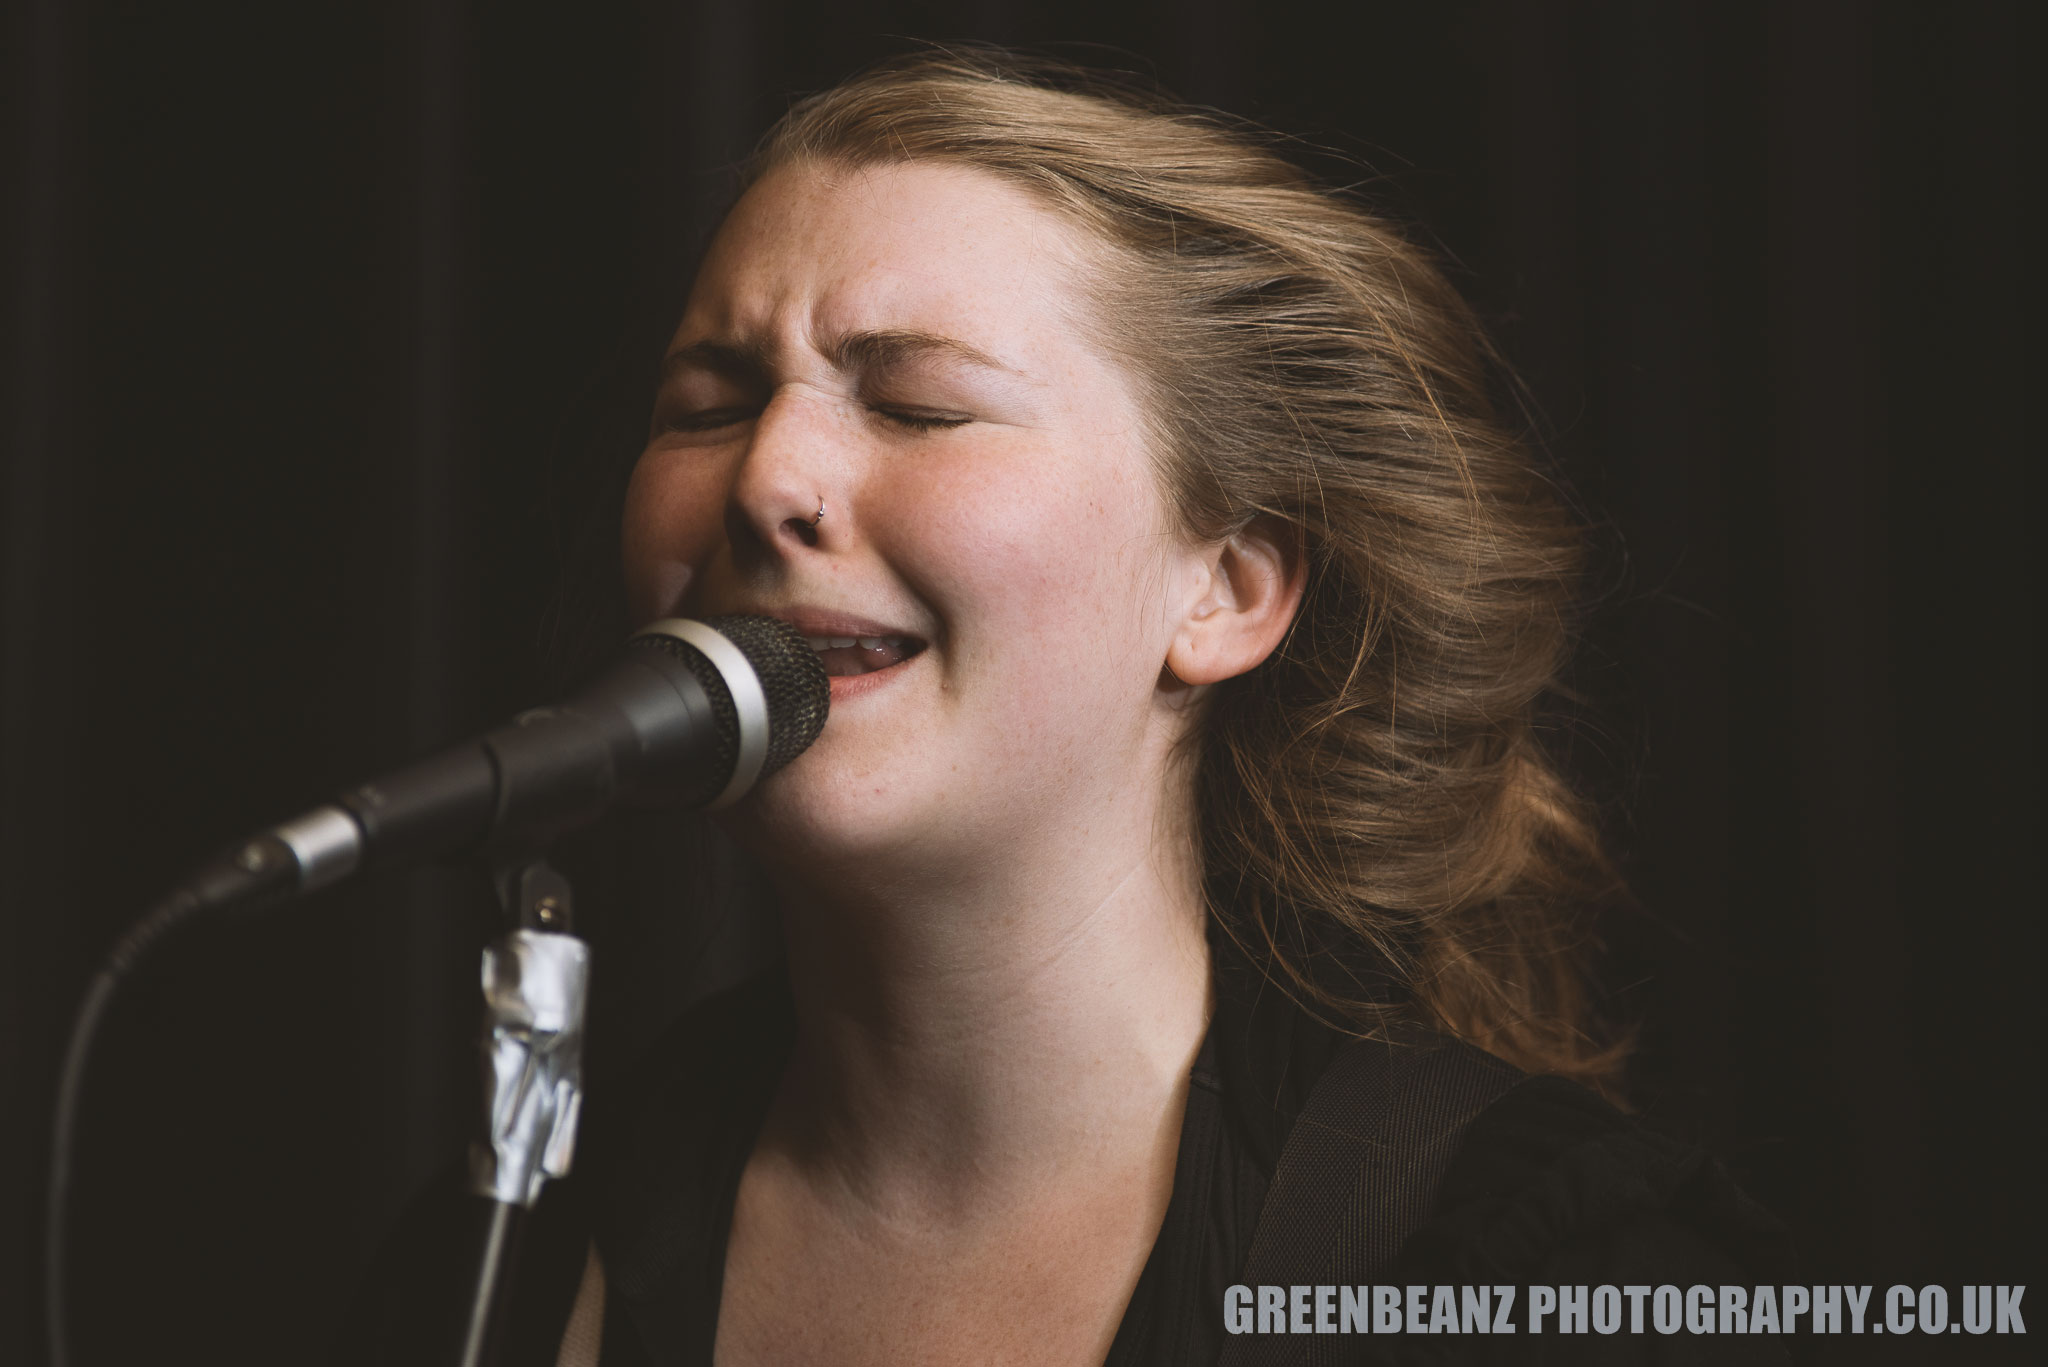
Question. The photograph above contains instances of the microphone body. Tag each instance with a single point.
(694, 714)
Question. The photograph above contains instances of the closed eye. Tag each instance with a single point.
(912, 420)
(708, 420)
(716, 419)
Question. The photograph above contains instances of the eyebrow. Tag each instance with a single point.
(863, 350)
(726, 358)
(891, 346)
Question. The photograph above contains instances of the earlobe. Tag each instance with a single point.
(1252, 588)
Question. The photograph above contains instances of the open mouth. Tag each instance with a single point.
(846, 656)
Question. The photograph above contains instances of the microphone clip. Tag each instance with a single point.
(536, 986)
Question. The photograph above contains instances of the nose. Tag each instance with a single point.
(777, 506)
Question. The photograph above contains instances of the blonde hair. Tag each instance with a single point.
(1373, 799)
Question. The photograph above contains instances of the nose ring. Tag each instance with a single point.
(821, 513)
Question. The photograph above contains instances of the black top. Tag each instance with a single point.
(1550, 1186)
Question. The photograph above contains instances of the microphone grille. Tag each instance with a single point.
(793, 687)
(792, 676)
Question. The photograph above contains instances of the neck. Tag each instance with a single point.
(1001, 1027)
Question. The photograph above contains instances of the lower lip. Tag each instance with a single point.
(849, 686)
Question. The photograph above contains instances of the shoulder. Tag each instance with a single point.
(1550, 1178)
(1552, 1186)
(1546, 1177)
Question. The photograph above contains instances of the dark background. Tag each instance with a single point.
(332, 328)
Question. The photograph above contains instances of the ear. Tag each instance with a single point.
(1244, 595)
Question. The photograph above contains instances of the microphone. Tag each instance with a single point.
(695, 713)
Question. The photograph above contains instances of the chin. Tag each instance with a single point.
(818, 819)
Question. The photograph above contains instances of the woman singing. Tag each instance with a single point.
(1187, 601)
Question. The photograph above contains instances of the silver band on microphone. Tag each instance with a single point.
(749, 700)
(327, 843)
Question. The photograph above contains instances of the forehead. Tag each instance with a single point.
(823, 248)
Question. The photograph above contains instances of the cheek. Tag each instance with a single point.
(1049, 569)
(670, 526)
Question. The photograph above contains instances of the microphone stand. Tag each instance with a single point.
(536, 982)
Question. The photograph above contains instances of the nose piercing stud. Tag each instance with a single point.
(821, 513)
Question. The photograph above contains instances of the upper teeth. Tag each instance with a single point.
(842, 642)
